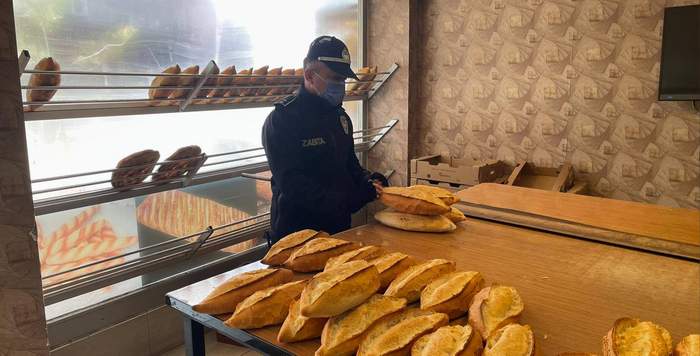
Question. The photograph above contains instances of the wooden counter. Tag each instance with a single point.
(573, 289)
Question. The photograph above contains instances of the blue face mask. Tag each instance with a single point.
(335, 91)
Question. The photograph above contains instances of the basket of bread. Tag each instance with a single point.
(419, 208)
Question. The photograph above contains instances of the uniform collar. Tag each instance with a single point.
(314, 102)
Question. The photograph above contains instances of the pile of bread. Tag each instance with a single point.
(419, 208)
(136, 167)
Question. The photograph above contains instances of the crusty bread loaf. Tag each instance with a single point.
(210, 82)
(365, 253)
(494, 307)
(224, 81)
(412, 201)
(576, 354)
(391, 265)
(634, 337)
(410, 283)
(297, 327)
(266, 307)
(185, 81)
(224, 298)
(298, 79)
(455, 215)
(443, 194)
(155, 94)
(315, 253)
(272, 80)
(241, 79)
(282, 249)
(452, 293)
(258, 79)
(363, 73)
(449, 341)
(128, 177)
(396, 334)
(43, 80)
(412, 222)
(688, 346)
(342, 334)
(339, 289)
(511, 340)
(170, 169)
(286, 78)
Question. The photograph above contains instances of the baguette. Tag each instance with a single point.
(365, 253)
(396, 334)
(43, 80)
(297, 327)
(272, 80)
(634, 337)
(170, 170)
(242, 79)
(185, 81)
(412, 201)
(143, 163)
(155, 94)
(266, 307)
(449, 341)
(315, 253)
(688, 346)
(455, 215)
(225, 297)
(443, 194)
(410, 283)
(390, 266)
(493, 308)
(222, 81)
(282, 249)
(452, 293)
(342, 334)
(411, 222)
(258, 79)
(210, 82)
(511, 340)
(340, 289)
(286, 78)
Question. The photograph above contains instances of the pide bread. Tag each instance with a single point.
(455, 215)
(412, 201)
(314, 254)
(154, 94)
(365, 253)
(297, 327)
(494, 307)
(143, 163)
(452, 293)
(688, 346)
(412, 222)
(282, 249)
(449, 341)
(339, 289)
(187, 80)
(511, 340)
(182, 161)
(43, 80)
(410, 283)
(396, 334)
(630, 337)
(266, 307)
(342, 334)
(390, 265)
(443, 194)
(224, 80)
(225, 297)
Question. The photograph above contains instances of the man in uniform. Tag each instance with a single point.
(317, 181)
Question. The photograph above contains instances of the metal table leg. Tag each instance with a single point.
(194, 337)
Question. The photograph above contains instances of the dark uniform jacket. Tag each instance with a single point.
(317, 181)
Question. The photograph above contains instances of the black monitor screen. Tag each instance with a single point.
(680, 54)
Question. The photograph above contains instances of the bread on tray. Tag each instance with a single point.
(315, 253)
(181, 162)
(455, 215)
(452, 340)
(412, 222)
(443, 194)
(43, 80)
(186, 80)
(511, 340)
(634, 337)
(164, 81)
(390, 266)
(410, 283)
(143, 163)
(396, 334)
(282, 249)
(266, 307)
(412, 201)
(297, 327)
(452, 293)
(493, 308)
(365, 253)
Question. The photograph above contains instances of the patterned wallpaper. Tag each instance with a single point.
(22, 324)
(555, 81)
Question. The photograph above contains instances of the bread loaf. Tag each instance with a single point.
(339, 289)
(494, 307)
(298, 79)
(187, 80)
(155, 94)
(390, 266)
(241, 79)
(282, 249)
(342, 334)
(266, 307)
(449, 341)
(396, 334)
(417, 223)
(297, 327)
(511, 340)
(630, 337)
(224, 81)
(210, 82)
(315, 253)
(170, 169)
(258, 79)
(410, 283)
(688, 346)
(443, 194)
(43, 80)
(365, 253)
(224, 298)
(452, 293)
(412, 201)
(272, 80)
(455, 215)
(143, 163)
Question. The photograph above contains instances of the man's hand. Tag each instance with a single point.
(378, 187)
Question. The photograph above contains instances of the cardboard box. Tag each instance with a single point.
(527, 175)
(468, 172)
(449, 186)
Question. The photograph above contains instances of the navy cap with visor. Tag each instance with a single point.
(334, 53)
